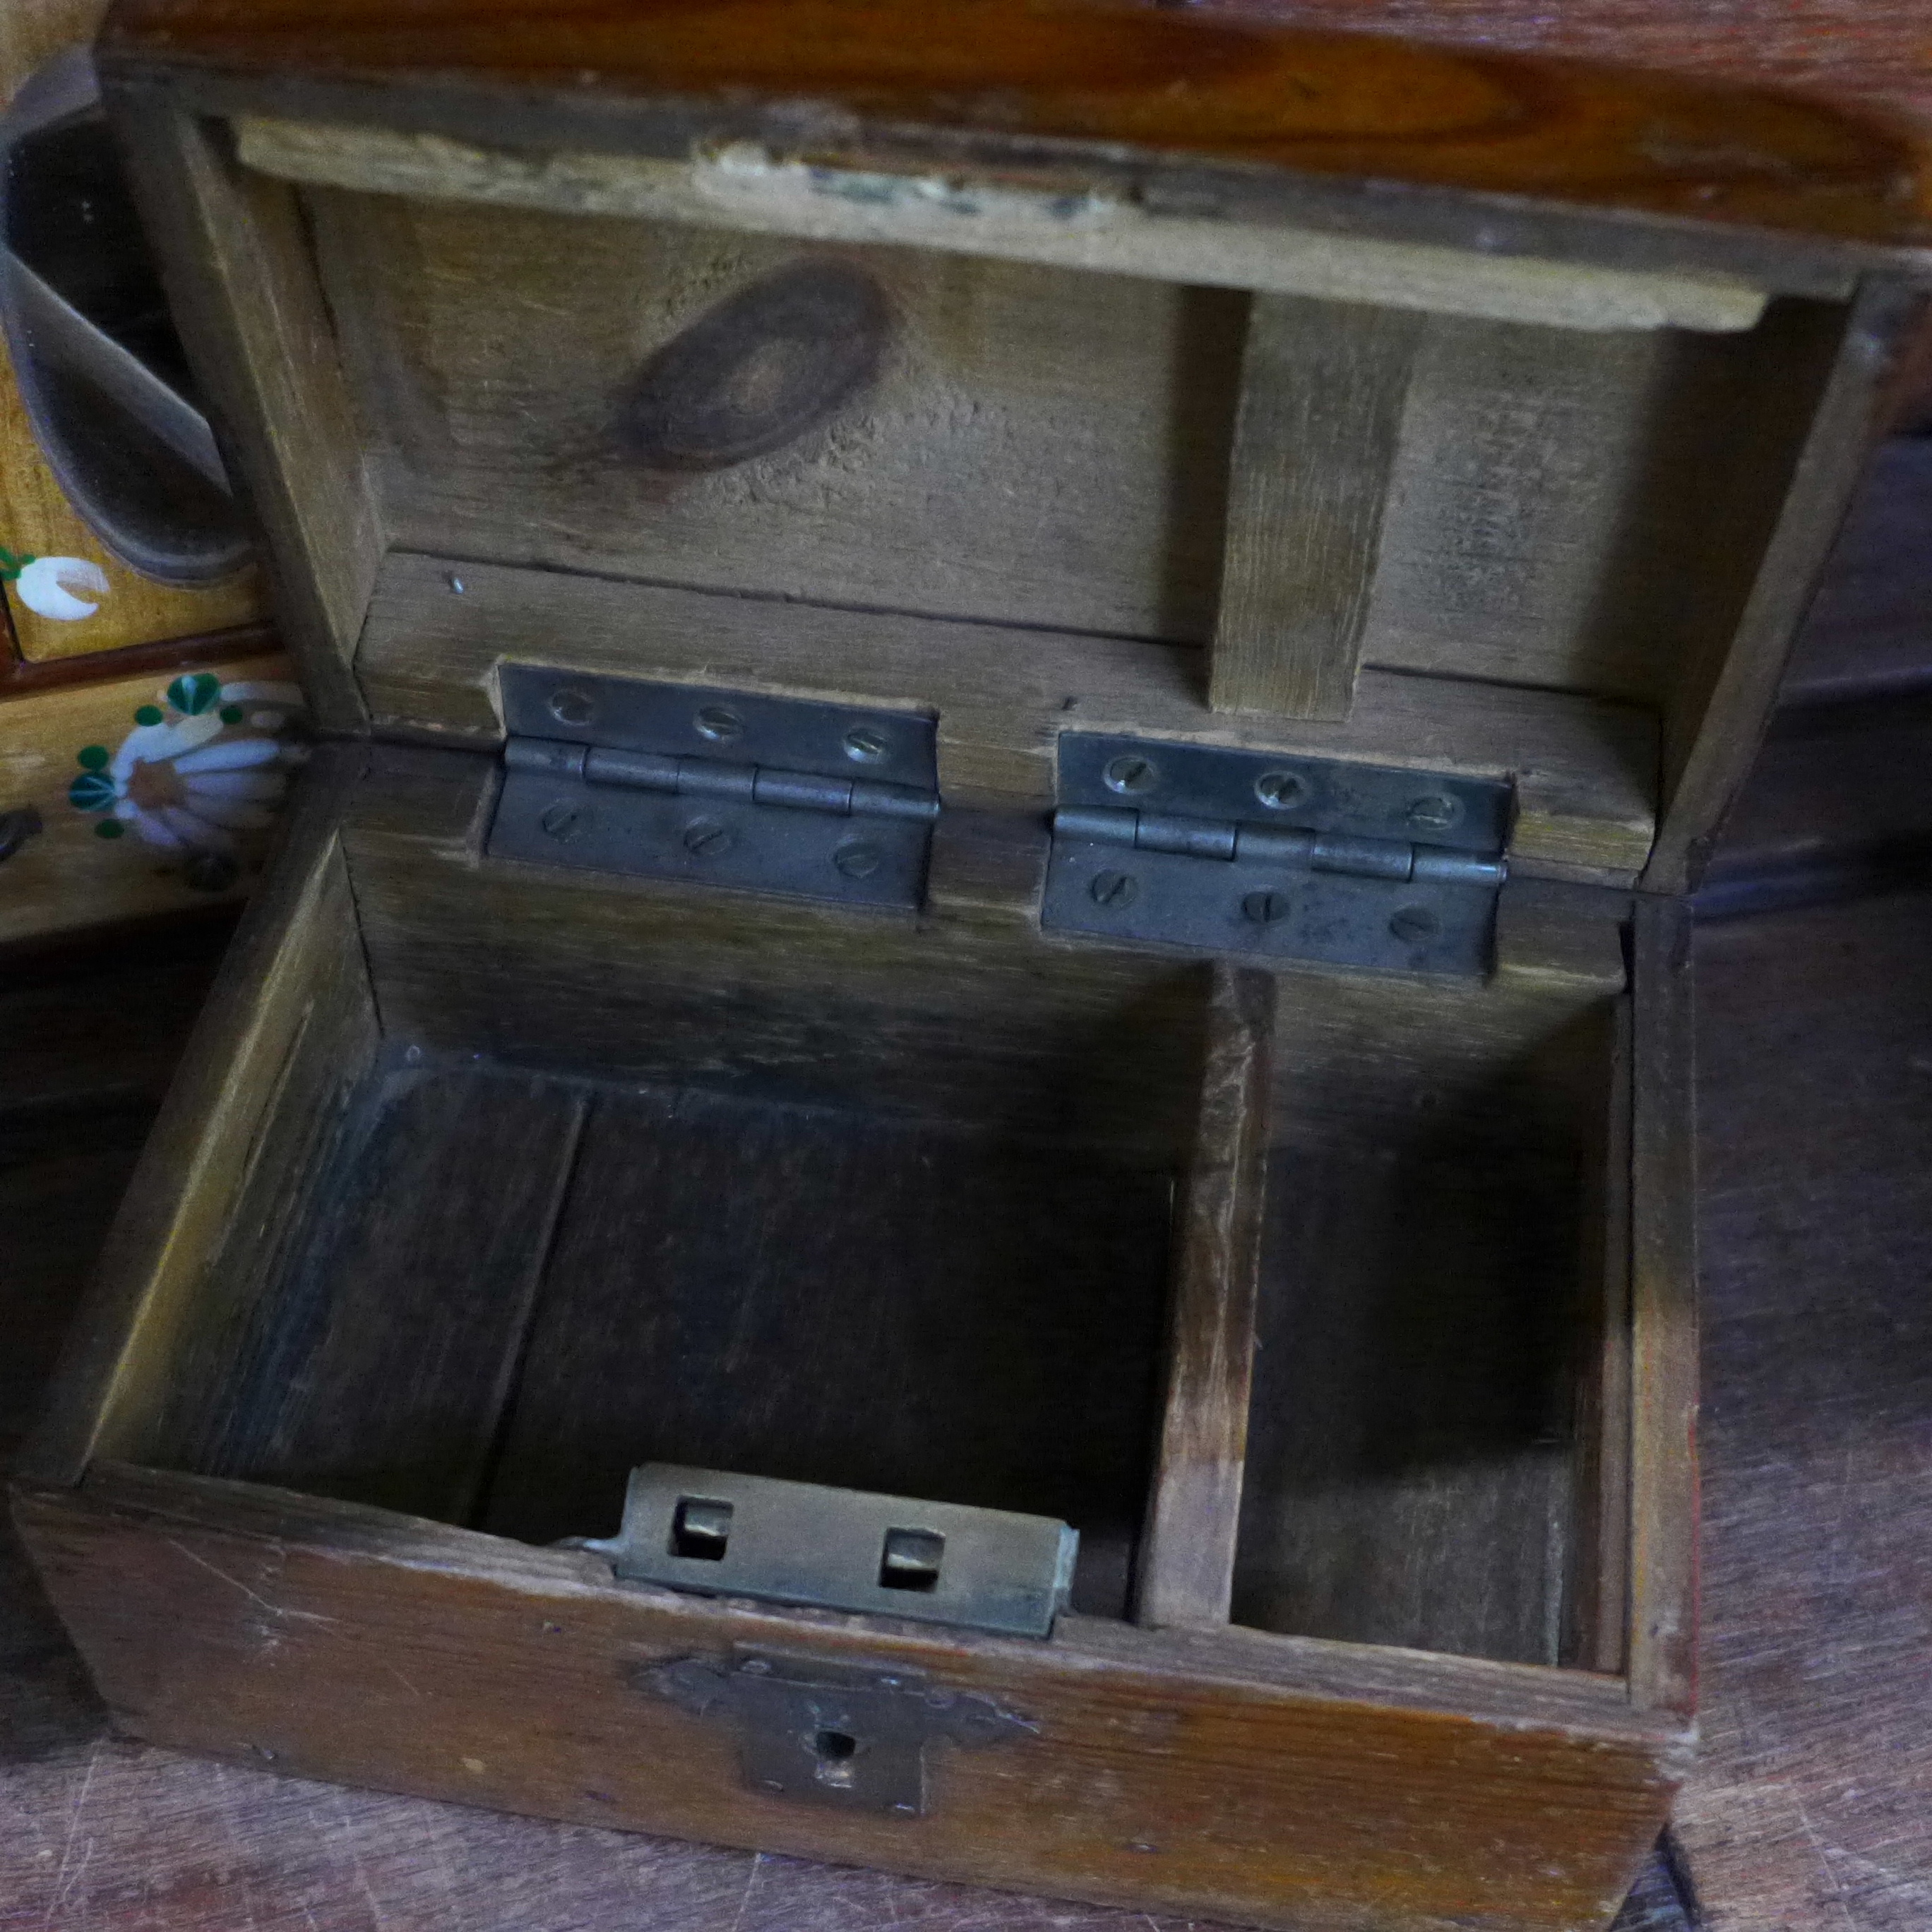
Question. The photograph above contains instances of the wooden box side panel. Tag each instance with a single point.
(347, 1644)
(291, 1016)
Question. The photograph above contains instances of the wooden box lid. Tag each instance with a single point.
(1039, 365)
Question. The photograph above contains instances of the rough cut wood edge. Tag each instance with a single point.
(1322, 391)
(1881, 331)
(242, 283)
(287, 954)
(1585, 768)
(1349, 1790)
(745, 187)
(1663, 1646)
(1561, 935)
(1186, 1572)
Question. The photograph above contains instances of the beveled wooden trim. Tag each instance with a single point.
(1187, 1565)
(1322, 390)
(241, 282)
(1663, 1647)
(114, 1371)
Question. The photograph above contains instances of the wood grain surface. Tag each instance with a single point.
(1249, 90)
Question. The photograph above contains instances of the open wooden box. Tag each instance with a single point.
(1347, 1315)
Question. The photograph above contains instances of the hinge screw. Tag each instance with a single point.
(1131, 772)
(1264, 908)
(706, 839)
(1116, 891)
(719, 724)
(1278, 791)
(1436, 813)
(865, 744)
(1413, 925)
(563, 819)
(858, 858)
(572, 706)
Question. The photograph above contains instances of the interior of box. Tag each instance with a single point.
(1521, 506)
(630, 1173)
(627, 1176)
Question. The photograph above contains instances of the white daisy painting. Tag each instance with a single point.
(200, 771)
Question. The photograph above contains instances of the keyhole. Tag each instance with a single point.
(835, 1751)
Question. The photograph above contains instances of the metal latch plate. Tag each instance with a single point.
(849, 1735)
(716, 833)
(842, 1549)
(1275, 910)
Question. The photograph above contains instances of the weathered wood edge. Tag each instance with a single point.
(1516, 1696)
(1187, 1564)
(1881, 332)
(241, 282)
(1663, 1505)
(518, 121)
(1836, 168)
(196, 1158)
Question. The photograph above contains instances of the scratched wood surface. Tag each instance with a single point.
(1811, 1805)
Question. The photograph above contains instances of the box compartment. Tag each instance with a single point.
(621, 1173)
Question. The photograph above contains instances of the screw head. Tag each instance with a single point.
(1115, 891)
(1130, 772)
(755, 1667)
(1264, 908)
(1414, 925)
(569, 705)
(865, 744)
(1435, 813)
(706, 839)
(858, 858)
(719, 723)
(565, 819)
(1278, 791)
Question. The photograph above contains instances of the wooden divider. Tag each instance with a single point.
(1185, 1574)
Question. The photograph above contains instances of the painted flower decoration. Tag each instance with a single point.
(189, 779)
(56, 586)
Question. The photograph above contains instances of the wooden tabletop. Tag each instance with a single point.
(1813, 1804)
